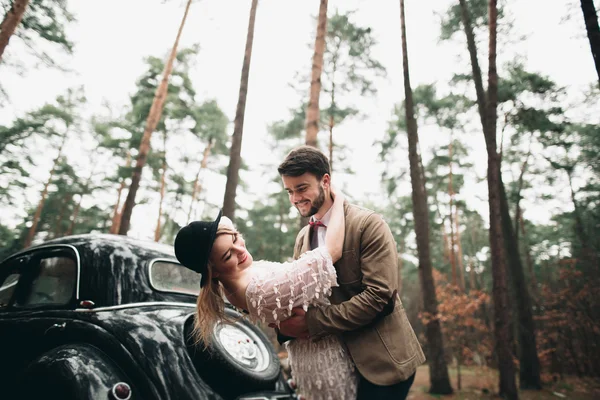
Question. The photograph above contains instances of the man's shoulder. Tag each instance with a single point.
(355, 211)
(363, 218)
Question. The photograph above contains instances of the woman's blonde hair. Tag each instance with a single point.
(210, 307)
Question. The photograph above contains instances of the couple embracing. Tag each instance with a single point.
(336, 306)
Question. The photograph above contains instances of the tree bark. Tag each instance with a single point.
(332, 108)
(116, 219)
(438, 369)
(461, 265)
(61, 215)
(593, 31)
(236, 141)
(40, 207)
(502, 325)
(520, 183)
(452, 239)
(529, 260)
(331, 123)
(11, 20)
(529, 371)
(476, 69)
(153, 118)
(579, 227)
(487, 108)
(163, 180)
(197, 187)
(78, 206)
(313, 111)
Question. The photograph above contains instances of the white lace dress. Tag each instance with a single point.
(322, 369)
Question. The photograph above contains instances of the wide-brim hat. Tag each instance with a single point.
(194, 243)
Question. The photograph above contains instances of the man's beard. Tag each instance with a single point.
(316, 204)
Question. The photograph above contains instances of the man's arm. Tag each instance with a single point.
(379, 266)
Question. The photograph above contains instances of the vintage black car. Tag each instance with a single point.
(109, 317)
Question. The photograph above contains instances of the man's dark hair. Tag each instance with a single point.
(305, 159)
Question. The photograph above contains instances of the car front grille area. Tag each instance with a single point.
(266, 396)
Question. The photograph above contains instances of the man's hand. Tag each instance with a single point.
(295, 326)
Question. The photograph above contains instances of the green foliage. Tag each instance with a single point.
(451, 22)
(19, 141)
(40, 36)
(292, 128)
(47, 20)
(270, 229)
(348, 63)
(38, 122)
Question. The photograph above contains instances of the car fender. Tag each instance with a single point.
(73, 371)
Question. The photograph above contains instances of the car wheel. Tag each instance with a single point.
(240, 359)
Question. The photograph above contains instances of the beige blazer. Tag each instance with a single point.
(385, 350)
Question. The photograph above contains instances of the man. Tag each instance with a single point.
(365, 310)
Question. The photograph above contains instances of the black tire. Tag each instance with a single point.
(232, 376)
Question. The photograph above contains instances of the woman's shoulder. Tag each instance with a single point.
(266, 264)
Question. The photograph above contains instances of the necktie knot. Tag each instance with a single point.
(316, 224)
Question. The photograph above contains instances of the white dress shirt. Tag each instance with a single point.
(318, 236)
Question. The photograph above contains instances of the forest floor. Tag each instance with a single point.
(482, 383)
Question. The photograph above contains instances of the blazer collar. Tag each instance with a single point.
(306, 238)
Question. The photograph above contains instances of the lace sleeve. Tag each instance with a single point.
(272, 295)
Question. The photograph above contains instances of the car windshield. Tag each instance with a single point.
(169, 276)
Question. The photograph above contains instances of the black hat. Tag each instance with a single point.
(193, 244)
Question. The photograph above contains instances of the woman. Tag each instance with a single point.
(269, 291)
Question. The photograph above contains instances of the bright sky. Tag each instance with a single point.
(112, 38)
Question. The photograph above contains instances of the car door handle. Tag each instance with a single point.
(60, 327)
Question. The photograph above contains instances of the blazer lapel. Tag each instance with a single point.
(306, 241)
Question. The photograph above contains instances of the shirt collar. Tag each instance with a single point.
(325, 219)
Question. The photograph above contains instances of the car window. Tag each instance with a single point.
(173, 277)
(53, 282)
(7, 288)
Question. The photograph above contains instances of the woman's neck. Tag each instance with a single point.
(235, 287)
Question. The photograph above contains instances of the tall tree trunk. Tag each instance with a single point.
(445, 241)
(40, 207)
(460, 258)
(116, 218)
(332, 107)
(153, 117)
(508, 387)
(9, 24)
(236, 140)
(529, 371)
(331, 123)
(61, 215)
(487, 108)
(452, 240)
(529, 260)
(593, 31)
(313, 111)
(438, 369)
(476, 69)
(520, 183)
(472, 278)
(163, 180)
(197, 186)
(86, 189)
(588, 254)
